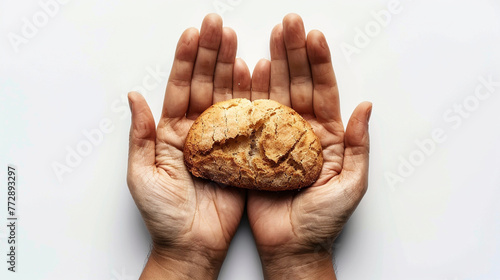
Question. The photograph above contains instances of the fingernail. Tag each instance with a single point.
(369, 115)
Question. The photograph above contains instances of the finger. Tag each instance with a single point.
(241, 79)
(280, 77)
(176, 101)
(142, 136)
(223, 77)
(356, 154)
(301, 88)
(202, 84)
(326, 94)
(260, 80)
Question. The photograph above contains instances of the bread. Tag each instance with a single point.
(260, 145)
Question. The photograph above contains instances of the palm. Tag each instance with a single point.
(295, 216)
(192, 209)
(304, 78)
(182, 211)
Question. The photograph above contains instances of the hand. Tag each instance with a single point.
(191, 221)
(294, 231)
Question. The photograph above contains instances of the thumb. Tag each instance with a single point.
(142, 139)
(356, 154)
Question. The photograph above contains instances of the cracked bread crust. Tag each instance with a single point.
(259, 145)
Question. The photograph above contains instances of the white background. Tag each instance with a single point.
(441, 221)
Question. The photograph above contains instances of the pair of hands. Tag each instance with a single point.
(191, 220)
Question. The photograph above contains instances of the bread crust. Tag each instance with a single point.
(260, 145)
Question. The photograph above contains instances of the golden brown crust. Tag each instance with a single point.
(255, 145)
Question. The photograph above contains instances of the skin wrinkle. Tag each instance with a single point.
(201, 189)
(190, 274)
(211, 40)
(177, 196)
(196, 210)
(163, 166)
(221, 86)
(334, 127)
(177, 82)
(205, 79)
(218, 214)
(290, 206)
(353, 162)
(301, 80)
(145, 182)
(187, 46)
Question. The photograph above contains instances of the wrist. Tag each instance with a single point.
(294, 266)
(173, 265)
